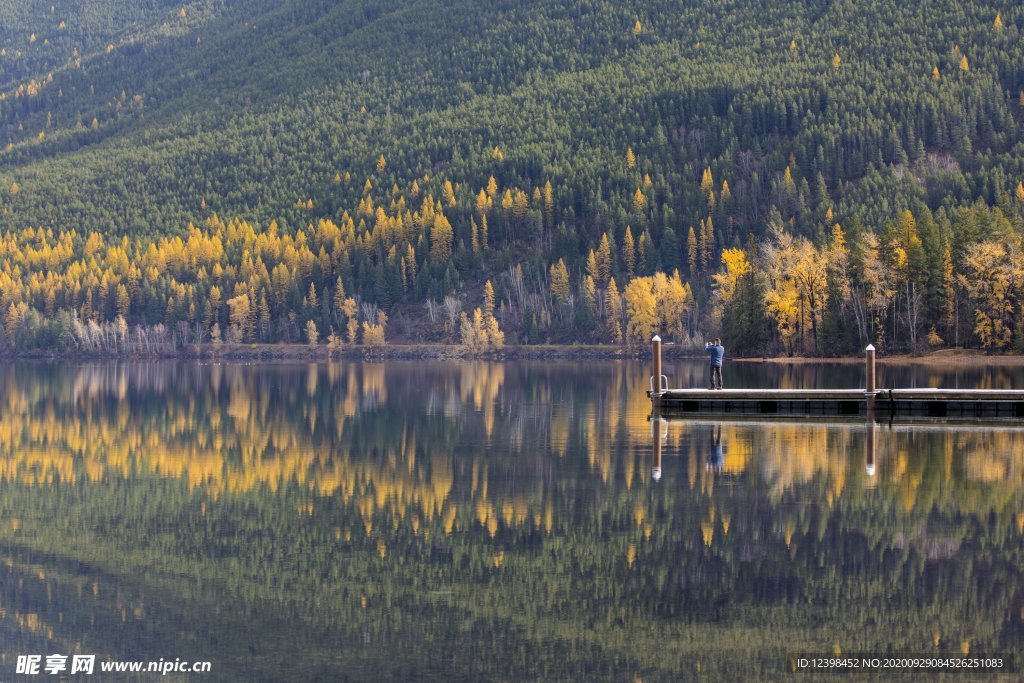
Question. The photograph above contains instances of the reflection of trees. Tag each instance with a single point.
(485, 504)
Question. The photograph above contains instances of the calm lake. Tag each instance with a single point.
(491, 521)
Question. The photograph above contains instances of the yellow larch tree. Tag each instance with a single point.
(707, 244)
(645, 251)
(993, 277)
(788, 185)
(629, 252)
(485, 333)
(604, 259)
(440, 239)
(124, 301)
(240, 318)
(474, 237)
(560, 282)
(339, 298)
(471, 331)
(488, 299)
(674, 301)
(781, 295)
(692, 252)
(588, 292)
(373, 334)
(213, 303)
(312, 297)
(15, 314)
(483, 203)
(549, 202)
(642, 319)
(592, 269)
(809, 274)
(613, 311)
(837, 260)
(707, 182)
(639, 200)
(520, 204)
(947, 289)
(734, 266)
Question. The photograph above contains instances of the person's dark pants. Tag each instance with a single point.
(716, 376)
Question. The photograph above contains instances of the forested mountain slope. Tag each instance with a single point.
(675, 131)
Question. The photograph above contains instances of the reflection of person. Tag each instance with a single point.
(716, 352)
(716, 458)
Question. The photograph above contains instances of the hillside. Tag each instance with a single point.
(694, 125)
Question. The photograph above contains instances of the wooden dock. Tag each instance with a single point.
(870, 402)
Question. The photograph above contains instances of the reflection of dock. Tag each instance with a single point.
(899, 425)
(871, 402)
(660, 425)
(935, 403)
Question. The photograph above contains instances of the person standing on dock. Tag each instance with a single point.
(717, 353)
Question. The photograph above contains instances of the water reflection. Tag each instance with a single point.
(716, 458)
(869, 446)
(659, 432)
(402, 520)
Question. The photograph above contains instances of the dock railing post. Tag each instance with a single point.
(869, 381)
(656, 360)
(656, 385)
(869, 368)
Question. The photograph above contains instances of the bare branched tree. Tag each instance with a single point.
(452, 306)
(432, 309)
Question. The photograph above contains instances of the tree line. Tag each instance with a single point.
(402, 264)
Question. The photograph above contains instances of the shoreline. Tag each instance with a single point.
(946, 358)
(303, 353)
(321, 353)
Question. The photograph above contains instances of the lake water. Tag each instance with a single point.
(486, 521)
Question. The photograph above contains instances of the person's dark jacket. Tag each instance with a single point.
(717, 354)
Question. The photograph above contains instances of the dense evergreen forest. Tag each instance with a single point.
(794, 177)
